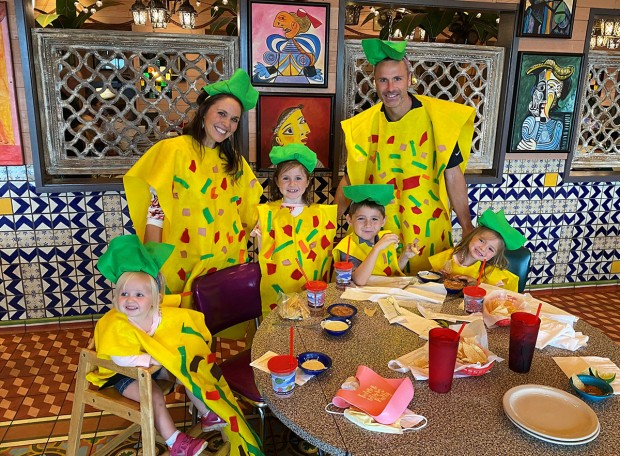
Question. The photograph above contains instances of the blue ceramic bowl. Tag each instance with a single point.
(308, 356)
(332, 332)
(429, 276)
(590, 380)
(342, 310)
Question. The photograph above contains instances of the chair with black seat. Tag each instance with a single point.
(519, 263)
(226, 298)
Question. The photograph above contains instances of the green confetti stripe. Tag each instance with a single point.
(178, 180)
(235, 229)
(418, 164)
(432, 195)
(414, 201)
(298, 227)
(395, 156)
(412, 147)
(396, 221)
(378, 156)
(234, 199)
(432, 249)
(313, 233)
(192, 331)
(315, 276)
(269, 222)
(434, 159)
(277, 288)
(299, 259)
(397, 170)
(207, 215)
(360, 150)
(325, 260)
(206, 186)
(231, 261)
(281, 246)
(207, 256)
(428, 227)
(389, 257)
(450, 238)
(441, 168)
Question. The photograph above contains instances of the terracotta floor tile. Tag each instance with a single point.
(15, 386)
(29, 431)
(9, 408)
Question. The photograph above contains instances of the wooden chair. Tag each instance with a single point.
(228, 297)
(110, 400)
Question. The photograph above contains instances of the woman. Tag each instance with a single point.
(196, 191)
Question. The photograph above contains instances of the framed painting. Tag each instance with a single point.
(10, 138)
(544, 108)
(546, 18)
(288, 43)
(285, 119)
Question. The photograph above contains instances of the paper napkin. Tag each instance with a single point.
(396, 314)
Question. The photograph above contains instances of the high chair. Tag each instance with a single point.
(110, 400)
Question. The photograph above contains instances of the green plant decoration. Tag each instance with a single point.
(66, 15)
(224, 15)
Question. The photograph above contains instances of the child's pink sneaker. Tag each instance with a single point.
(210, 421)
(187, 446)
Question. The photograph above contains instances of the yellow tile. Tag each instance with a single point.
(615, 267)
(551, 179)
(5, 206)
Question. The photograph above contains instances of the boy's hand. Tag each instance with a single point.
(386, 241)
(411, 250)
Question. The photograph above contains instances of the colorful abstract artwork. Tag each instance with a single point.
(305, 119)
(546, 18)
(288, 43)
(545, 102)
(10, 143)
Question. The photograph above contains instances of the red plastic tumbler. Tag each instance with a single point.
(443, 344)
(523, 334)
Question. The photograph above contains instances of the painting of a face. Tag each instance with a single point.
(285, 21)
(294, 129)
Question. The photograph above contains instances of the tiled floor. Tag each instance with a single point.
(37, 370)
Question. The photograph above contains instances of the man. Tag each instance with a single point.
(418, 144)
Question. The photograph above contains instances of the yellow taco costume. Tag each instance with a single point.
(387, 261)
(206, 211)
(307, 237)
(492, 275)
(411, 154)
(181, 344)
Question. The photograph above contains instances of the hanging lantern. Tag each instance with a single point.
(139, 12)
(159, 14)
(187, 15)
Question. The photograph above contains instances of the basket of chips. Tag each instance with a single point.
(499, 305)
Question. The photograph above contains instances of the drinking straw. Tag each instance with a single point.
(348, 247)
(484, 262)
(290, 342)
(302, 270)
(538, 311)
(461, 330)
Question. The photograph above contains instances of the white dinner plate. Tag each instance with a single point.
(558, 442)
(550, 412)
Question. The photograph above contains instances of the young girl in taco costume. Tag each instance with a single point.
(140, 332)
(487, 244)
(294, 234)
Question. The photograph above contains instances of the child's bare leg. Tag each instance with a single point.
(198, 404)
(163, 421)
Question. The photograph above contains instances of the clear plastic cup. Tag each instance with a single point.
(344, 270)
(443, 344)
(473, 297)
(282, 369)
(315, 292)
(524, 328)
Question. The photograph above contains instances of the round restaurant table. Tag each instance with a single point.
(469, 419)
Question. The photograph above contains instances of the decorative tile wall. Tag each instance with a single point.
(49, 243)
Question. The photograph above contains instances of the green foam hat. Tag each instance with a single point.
(497, 222)
(382, 194)
(238, 85)
(128, 254)
(377, 50)
(294, 151)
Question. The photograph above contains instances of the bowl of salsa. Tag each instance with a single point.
(591, 388)
(342, 310)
